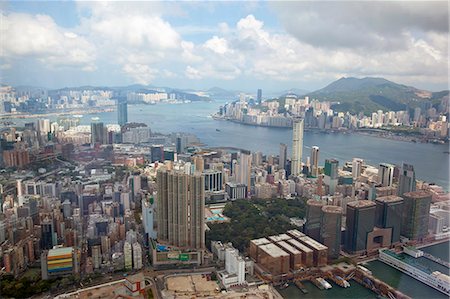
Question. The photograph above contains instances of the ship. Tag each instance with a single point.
(341, 282)
(301, 287)
(406, 264)
(325, 284)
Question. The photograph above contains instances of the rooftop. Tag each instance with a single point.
(60, 251)
(278, 238)
(260, 241)
(273, 250)
(288, 247)
(332, 209)
(418, 194)
(389, 198)
(299, 245)
(361, 204)
(313, 243)
(295, 233)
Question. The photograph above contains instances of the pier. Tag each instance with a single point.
(436, 259)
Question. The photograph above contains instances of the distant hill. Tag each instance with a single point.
(371, 94)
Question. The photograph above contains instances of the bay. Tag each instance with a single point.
(430, 161)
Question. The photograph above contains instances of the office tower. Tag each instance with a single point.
(331, 174)
(137, 256)
(213, 180)
(313, 218)
(259, 97)
(180, 208)
(157, 153)
(96, 256)
(47, 234)
(98, 133)
(315, 161)
(385, 174)
(283, 155)
(148, 217)
(181, 144)
(199, 163)
(245, 167)
(128, 256)
(407, 179)
(330, 230)
(122, 111)
(415, 214)
(297, 147)
(357, 164)
(388, 214)
(359, 223)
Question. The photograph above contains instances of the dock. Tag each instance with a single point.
(436, 259)
(300, 285)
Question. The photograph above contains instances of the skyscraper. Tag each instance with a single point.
(122, 111)
(313, 218)
(180, 208)
(245, 167)
(259, 96)
(315, 161)
(385, 174)
(283, 155)
(98, 133)
(297, 147)
(360, 222)
(388, 214)
(330, 230)
(357, 164)
(407, 179)
(331, 174)
(415, 215)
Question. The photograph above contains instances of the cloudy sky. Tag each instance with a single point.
(234, 45)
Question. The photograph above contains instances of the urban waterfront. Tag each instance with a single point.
(195, 118)
(391, 276)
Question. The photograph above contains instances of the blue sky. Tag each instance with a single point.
(234, 45)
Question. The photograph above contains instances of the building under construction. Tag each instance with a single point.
(285, 252)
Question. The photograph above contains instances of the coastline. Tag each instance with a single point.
(64, 112)
(365, 131)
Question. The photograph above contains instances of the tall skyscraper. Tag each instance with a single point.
(331, 174)
(297, 147)
(315, 161)
(388, 214)
(385, 174)
(360, 222)
(47, 234)
(407, 179)
(330, 230)
(415, 215)
(122, 111)
(283, 155)
(357, 164)
(98, 133)
(245, 167)
(313, 218)
(259, 96)
(180, 217)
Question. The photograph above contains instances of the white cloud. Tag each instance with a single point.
(39, 37)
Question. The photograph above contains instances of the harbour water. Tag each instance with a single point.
(430, 160)
(391, 276)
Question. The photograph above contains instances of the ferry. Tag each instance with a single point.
(342, 282)
(406, 264)
(326, 285)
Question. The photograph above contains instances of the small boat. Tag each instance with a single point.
(284, 286)
(217, 130)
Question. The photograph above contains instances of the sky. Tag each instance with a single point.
(235, 45)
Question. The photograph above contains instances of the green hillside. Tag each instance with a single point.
(371, 94)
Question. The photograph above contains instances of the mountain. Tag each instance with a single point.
(372, 94)
(220, 93)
